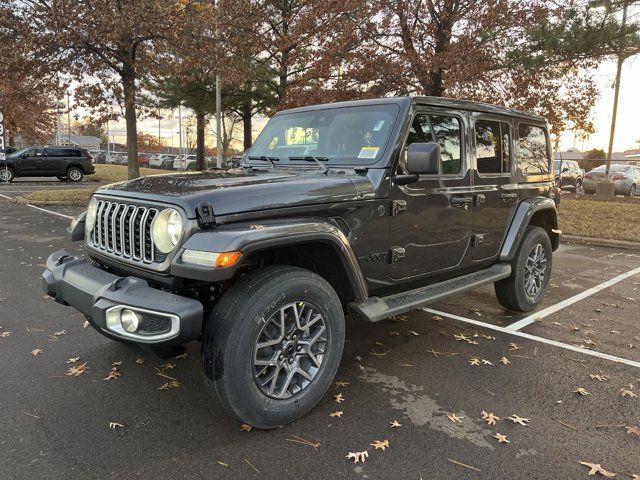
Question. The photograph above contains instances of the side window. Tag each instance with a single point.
(71, 153)
(446, 130)
(493, 146)
(54, 152)
(533, 158)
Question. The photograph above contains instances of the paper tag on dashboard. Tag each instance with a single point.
(368, 152)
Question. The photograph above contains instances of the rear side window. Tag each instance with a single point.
(54, 152)
(493, 146)
(446, 131)
(72, 153)
(533, 156)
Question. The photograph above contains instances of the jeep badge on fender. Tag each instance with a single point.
(369, 208)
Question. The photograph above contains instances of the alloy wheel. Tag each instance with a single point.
(74, 174)
(289, 350)
(5, 175)
(535, 270)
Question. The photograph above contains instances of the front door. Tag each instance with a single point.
(432, 218)
(495, 193)
(29, 161)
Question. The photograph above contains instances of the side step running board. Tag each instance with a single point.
(376, 308)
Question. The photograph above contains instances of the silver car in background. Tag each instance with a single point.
(625, 177)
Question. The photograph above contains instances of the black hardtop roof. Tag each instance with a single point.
(444, 102)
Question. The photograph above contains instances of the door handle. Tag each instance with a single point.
(508, 196)
(461, 201)
(480, 199)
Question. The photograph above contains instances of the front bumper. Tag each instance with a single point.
(167, 318)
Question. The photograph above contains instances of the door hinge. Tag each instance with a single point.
(397, 254)
(398, 206)
(205, 215)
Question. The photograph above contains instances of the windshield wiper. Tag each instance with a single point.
(264, 158)
(318, 160)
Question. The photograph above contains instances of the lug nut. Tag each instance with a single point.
(299, 347)
(291, 360)
(295, 336)
(281, 357)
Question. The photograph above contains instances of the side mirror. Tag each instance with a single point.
(423, 158)
(565, 169)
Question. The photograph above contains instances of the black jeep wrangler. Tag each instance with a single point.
(372, 207)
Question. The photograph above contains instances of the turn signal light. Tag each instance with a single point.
(227, 259)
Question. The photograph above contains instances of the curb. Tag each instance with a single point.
(24, 201)
(601, 242)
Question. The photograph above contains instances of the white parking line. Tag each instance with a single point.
(520, 324)
(39, 208)
(534, 338)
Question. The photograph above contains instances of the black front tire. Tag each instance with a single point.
(235, 327)
(511, 291)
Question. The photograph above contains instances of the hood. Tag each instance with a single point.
(238, 191)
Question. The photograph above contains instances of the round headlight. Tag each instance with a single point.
(167, 230)
(90, 218)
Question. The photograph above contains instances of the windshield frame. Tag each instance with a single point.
(381, 159)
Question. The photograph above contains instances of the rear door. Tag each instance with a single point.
(53, 161)
(495, 194)
(431, 218)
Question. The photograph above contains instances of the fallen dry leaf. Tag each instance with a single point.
(598, 377)
(5, 334)
(454, 418)
(336, 414)
(597, 468)
(504, 361)
(139, 360)
(77, 370)
(85, 324)
(394, 334)
(117, 364)
(338, 398)
(37, 351)
(474, 361)
(486, 362)
(60, 333)
(395, 424)
(168, 366)
(342, 384)
(182, 355)
(245, 427)
(115, 425)
(378, 444)
(73, 359)
(635, 430)
(113, 374)
(169, 385)
(358, 456)
(501, 438)
(358, 358)
(414, 333)
(490, 418)
(627, 393)
(519, 420)
(581, 391)
(515, 346)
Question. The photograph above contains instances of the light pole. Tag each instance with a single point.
(607, 189)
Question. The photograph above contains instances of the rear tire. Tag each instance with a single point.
(530, 272)
(252, 358)
(74, 174)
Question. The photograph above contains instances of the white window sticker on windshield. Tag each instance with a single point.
(368, 152)
(378, 126)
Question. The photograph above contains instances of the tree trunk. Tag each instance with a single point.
(129, 86)
(200, 124)
(247, 122)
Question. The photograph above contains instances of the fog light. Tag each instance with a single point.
(130, 320)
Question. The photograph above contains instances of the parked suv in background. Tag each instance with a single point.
(373, 207)
(568, 174)
(66, 163)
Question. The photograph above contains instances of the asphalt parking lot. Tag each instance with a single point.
(418, 370)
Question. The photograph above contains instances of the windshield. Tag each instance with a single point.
(19, 152)
(343, 135)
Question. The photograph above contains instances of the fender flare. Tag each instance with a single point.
(521, 220)
(250, 238)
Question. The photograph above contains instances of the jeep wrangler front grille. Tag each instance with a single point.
(123, 230)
